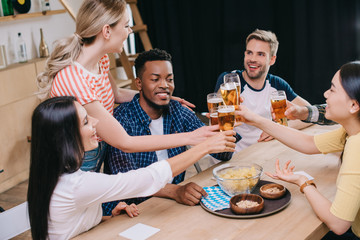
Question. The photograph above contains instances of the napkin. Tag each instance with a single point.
(139, 232)
(217, 199)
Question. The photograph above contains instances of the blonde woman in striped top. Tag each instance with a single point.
(79, 66)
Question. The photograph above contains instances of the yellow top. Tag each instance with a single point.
(346, 204)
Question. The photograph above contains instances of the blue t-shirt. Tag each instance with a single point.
(257, 101)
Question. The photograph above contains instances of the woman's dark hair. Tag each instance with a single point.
(350, 80)
(56, 148)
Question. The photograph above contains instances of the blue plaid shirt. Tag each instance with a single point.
(177, 119)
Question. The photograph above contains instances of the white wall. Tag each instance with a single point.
(54, 27)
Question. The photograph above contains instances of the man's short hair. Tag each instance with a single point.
(151, 55)
(266, 36)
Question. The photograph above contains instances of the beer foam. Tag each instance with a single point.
(278, 98)
(228, 86)
(226, 110)
(214, 100)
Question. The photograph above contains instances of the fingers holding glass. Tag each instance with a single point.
(278, 104)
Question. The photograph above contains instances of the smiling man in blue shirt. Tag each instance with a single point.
(151, 112)
(257, 85)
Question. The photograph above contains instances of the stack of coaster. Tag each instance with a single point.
(216, 199)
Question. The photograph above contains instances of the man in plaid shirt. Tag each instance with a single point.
(151, 112)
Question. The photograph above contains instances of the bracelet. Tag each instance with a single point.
(308, 119)
(305, 184)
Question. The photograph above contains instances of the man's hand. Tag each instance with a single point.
(294, 111)
(189, 194)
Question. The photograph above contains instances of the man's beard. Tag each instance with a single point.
(262, 71)
(154, 105)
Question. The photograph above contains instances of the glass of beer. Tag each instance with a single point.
(213, 100)
(214, 116)
(278, 103)
(234, 78)
(230, 94)
(226, 116)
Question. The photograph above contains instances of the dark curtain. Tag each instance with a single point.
(206, 38)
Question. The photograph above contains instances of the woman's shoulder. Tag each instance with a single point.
(69, 73)
(354, 139)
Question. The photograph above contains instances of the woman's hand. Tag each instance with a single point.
(221, 142)
(247, 116)
(201, 134)
(183, 102)
(286, 174)
(131, 209)
(265, 137)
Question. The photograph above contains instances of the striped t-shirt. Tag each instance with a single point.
(75, 80)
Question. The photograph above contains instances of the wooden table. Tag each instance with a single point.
(297, 221)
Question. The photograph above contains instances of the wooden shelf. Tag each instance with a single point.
(31, 15)
(15, 65)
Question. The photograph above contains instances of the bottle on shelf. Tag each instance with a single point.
(43, 48)
(45, 5)
(21, 49)
(7, 7)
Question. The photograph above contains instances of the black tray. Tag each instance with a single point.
(271, 206)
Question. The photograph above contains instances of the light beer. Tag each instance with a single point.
(226, 116)
(278, 103)
(214, 120)
(238, 118)
(214, 102)
(230, 93)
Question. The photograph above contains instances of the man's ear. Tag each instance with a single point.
(138, 83)
(106, 31)
(355, 107)
(272, 60)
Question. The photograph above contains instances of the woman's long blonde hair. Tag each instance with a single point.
(92, 16)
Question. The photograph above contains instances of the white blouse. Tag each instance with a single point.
(75, 205)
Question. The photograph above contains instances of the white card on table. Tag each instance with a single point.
(304, 174)
(139, 232)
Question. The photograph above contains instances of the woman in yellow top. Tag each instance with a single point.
(343, 107)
